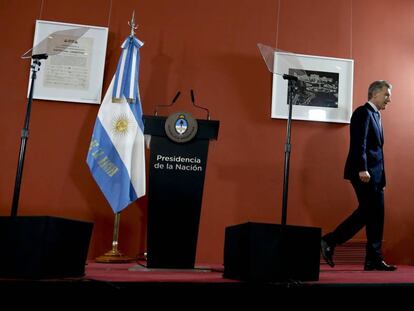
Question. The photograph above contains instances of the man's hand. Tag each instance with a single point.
(364, 176)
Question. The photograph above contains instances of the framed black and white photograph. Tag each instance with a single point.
(323, 91)
(74, 68)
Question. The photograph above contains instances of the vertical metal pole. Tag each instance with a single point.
(116, 232)
(288, 148)
(24, 137)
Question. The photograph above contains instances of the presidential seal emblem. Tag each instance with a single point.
(181, 127)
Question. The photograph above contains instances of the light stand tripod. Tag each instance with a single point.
(25, 133)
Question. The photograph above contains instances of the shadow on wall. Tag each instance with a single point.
(245, 126)
(133, 224)
(158, 77)
(132, 230)
(400, 239)
(94, 200)
(248, 84)
(250, 202)
(326, 197)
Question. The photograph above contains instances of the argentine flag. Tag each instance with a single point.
(116, 156)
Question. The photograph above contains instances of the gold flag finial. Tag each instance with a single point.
(132, 24)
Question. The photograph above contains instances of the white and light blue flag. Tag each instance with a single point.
(116, 156)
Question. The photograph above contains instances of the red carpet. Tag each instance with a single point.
(341, 274)
(206, 283)
(133, 272)
(346, 274)
(133, 283)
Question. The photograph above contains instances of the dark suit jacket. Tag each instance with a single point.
(365, 149)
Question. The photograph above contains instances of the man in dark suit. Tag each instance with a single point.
(364, 168)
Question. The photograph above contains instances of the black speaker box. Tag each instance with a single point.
(271, 253)
(43, 247)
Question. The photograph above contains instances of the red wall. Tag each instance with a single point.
(210, 46)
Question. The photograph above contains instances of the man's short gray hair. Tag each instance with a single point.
(376, 86)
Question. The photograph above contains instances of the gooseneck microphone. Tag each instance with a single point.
(176, 97)
(192, 96)
(193, 101)
(40, 56)
(172, 103)
(290, 77)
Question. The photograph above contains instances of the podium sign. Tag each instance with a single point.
(175, 192)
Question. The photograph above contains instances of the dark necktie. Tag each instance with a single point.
(379, 119)
(378, 116)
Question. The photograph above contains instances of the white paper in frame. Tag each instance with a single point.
(325, 94)
(76, 73)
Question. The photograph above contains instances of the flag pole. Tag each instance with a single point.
(114, 255)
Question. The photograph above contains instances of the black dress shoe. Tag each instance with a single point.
(327, 253)
(379, 266)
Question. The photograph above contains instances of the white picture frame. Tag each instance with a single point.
(76, 74)
(324, 94)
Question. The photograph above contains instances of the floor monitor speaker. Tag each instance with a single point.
(271, 253)
(43, 247)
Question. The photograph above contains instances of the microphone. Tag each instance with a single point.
(176, 97)
(172, 103)
(192, 100)
(40, 56)
(290, 77)
(192, 96)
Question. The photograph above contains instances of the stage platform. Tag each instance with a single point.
(206, 280)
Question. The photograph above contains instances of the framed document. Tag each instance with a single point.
(74, 70)
(324, 91)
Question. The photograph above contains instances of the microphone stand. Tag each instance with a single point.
(172, 103)
(25, 134)
(291, 87)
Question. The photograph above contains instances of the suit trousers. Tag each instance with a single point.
(370, 213)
